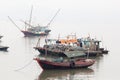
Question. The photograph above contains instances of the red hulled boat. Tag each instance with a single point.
(61, 64)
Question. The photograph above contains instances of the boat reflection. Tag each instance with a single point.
(69, 74)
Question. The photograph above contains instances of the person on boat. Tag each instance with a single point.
(58, 41)
(80, 43)
(72, 62)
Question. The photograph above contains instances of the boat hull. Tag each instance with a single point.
(44, 51)
(27, 33)
(64, 65)
(93, 53)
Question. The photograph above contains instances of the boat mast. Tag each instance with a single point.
(59, 37)
(30, 16)
(38, 43)
(46, 47)
(25, 26)
(53, 18)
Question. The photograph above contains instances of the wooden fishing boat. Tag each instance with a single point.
(68, 56)
(63, 64)
(61, 47)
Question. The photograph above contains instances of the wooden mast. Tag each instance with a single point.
(30, 16)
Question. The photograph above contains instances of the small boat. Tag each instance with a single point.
(93, 46)
(1, 36)
(3, 48)
(104, 51)
(64, 64)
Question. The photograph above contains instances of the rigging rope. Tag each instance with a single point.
(24, 66)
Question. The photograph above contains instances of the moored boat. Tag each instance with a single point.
(65, 64)
(31, 30)
(61, 47)
(36, 31)
(3, 48)
(1, 36)
(81, 46)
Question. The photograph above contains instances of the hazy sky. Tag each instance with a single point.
(79, 11)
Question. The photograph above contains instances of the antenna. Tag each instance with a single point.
(53, 17)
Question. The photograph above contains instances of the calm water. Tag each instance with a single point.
(99, 19)
(18, 63)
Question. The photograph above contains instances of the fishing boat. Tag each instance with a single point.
(61, 47)
(31, 30)
(3, 48)
(36, 31)
(61, 63)
(93, 46)
(71, 45)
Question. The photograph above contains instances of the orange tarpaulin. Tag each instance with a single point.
(66, 41)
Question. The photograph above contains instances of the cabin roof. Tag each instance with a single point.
(71, 54)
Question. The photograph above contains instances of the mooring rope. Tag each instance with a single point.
(24, 66)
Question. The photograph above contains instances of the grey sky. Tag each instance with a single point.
(83, 11)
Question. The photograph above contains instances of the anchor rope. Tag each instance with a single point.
(24, 66)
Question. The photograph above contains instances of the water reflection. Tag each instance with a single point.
(70, 74)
